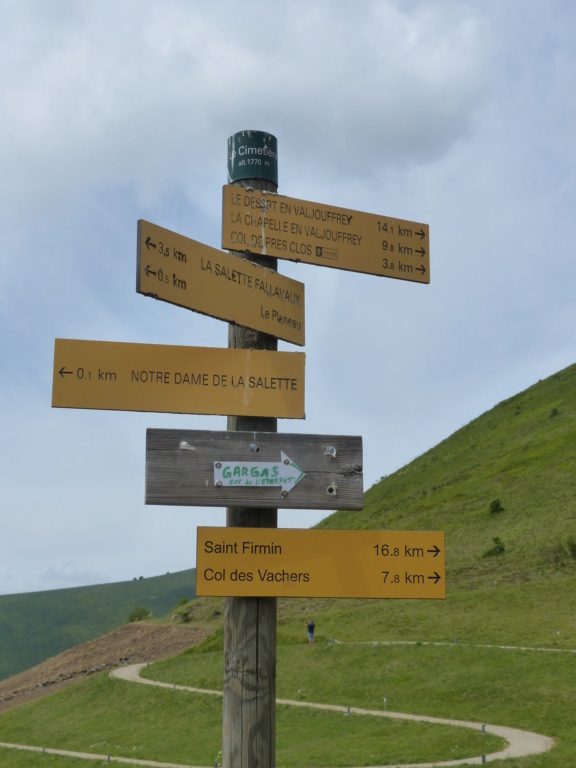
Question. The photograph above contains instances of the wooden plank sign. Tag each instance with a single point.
(181, 271)
(171, 379)
(274, 562)
(256, 469)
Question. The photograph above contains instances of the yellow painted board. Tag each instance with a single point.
(173, 379)
(182, 271)
(325, 235)
(275, 562)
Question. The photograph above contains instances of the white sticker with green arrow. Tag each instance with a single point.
(283, 473)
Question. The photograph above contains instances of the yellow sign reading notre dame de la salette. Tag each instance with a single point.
(172, 379)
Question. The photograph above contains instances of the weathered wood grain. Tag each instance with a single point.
(249, 701)
(180, 469)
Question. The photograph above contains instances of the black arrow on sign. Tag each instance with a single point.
(421, 234)
(421, 269)
(436, 550)
(149, 243)
(149, 271)
(436, 578)
(421, 251)
(63, 372)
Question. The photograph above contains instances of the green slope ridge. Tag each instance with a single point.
(508, 475)
(508, 478)
(38, 625)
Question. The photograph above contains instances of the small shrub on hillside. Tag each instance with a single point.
(571, 547)
(554, 412)
(182, 613)
(497, 549)
(139, 614)
(496, 506)
(560, 553)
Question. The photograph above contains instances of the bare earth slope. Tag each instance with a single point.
(131, 644)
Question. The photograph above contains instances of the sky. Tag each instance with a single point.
(456, 114)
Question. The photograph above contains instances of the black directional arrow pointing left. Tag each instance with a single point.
(149, 271)
(149, 243)
(435, 551)
(436, 578)
(63, 372)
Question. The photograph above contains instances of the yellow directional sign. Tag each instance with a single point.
(287, 228)
(275, 562)
(170, 379)
(182, 271)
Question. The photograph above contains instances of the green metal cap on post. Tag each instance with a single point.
(253, 155)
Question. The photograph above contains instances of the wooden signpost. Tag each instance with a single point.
(249, 695)
(298, 563)
(181, 271)
(253, 469)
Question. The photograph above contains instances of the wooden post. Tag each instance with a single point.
(249, 704)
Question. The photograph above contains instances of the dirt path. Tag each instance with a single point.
(104, 759)
(127, 650)
(520, 743)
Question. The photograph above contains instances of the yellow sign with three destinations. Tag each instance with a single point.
(171, 379)
(279, 562)
(314, 233)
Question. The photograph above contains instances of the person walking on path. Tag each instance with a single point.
(310, 626)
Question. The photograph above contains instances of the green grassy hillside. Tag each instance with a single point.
(503, 490)
(38, 625)
(509, 475)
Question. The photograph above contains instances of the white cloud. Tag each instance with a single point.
(144, 99)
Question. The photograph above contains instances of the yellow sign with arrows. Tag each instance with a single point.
(187, 273)
(287, 228)
(270, 562)
(171, 379)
